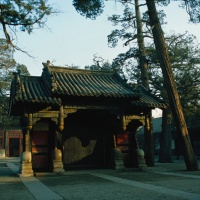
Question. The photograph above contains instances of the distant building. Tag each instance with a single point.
(2, 146)
(11, 143)
(157, 130)
(176, 141)
(157, 126)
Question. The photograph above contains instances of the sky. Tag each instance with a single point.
(71, 39)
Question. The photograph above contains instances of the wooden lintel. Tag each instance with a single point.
(69, 111)
(132, 117)
(49, 114)
(91, 107)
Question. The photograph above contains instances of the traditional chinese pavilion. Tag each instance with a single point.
(74, 118)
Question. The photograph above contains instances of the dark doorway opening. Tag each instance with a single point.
(14, 147)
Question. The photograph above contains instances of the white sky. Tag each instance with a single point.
(73, 39)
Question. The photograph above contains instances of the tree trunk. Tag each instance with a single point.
(174, 101)
(148, 131)
(165, 155)
(149, 141)
(142, 52)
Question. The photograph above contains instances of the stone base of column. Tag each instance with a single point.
(2, 153)
(57, 161)
(119, 163)
(26, 169)
(141, 161)
(58, 166)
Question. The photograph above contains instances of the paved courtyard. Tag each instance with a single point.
(164, 181)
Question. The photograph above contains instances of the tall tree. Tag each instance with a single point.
(161, 47)
(7, 66)
(148, 129)
(134, 31)
(184, 55)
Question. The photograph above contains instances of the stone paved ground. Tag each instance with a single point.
(164, 181)
(11, 187)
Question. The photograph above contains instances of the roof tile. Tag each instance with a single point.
(33, 90)
(58, 82)
(76, 82)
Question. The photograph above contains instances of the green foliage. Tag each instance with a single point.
(184, 55)
(93, 8)
(23, 15)
(89, 8)
(99, 64)
(192, 7)
(102, 64)
(127, 32)
(7, 66)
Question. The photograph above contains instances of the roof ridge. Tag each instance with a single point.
(75, 70)
(31, 78)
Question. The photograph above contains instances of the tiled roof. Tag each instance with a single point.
(148, 100)
(77, 82)
(31, 89)
(57, 83)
